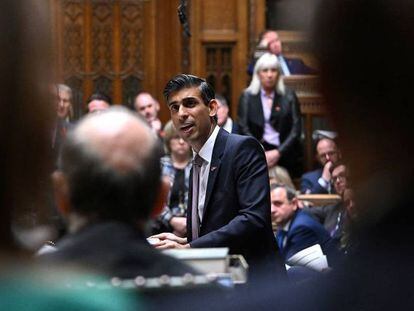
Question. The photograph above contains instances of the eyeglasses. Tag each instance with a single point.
(338, 178)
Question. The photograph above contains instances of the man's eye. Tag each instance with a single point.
(174, 108)
(190, 103)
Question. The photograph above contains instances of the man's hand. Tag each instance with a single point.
(156, 125)
(169, 240)
(179, 225)
(326, 174)
(272, 157)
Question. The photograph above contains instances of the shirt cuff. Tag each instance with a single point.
(323, 183)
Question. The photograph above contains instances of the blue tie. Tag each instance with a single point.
(280, 236)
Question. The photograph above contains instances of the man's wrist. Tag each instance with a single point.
(323, 183)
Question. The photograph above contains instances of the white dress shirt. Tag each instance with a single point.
(228, 126)
(206, 152)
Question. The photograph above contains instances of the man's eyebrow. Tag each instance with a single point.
(184, 100)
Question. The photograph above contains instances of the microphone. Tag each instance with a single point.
(182, 16)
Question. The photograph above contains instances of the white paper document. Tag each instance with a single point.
(311, 257)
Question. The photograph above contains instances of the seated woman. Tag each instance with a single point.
(176, 166)
(270, 112)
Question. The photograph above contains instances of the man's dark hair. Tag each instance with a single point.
(290, 192)
(101, 192)
(183, 81)
(99, 96)
(222, 100)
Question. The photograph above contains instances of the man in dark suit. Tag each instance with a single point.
(271, 42)
(297, 230)
(229, 203)
(223, 118)
(107, 187)
(319, 180)
(335, 217)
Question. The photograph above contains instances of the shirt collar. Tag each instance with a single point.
(287, 226)
(228, 126)
(206, 152)
(263, 93)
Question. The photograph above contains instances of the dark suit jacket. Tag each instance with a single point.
(115, 249)
(309, 183)
(285, 118)
(298, 67)
(328, 216)
(304, 231)
(237, 206)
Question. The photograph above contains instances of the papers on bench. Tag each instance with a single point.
(311, 257)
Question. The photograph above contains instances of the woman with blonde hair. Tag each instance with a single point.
(269, 111)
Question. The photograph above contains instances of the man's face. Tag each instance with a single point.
(63, 105)
(281, 209)
(179, 146)
(222, 114)
(147, 106)
(327, 151)
(268, 78)
(191, 117)
(339, 179)
(275, 45)
(97, 105)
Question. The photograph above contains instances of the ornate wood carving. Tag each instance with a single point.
(102, 34)
(219, 68)
(72, 37)
(132, 37)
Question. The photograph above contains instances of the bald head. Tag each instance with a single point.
(111, 162)
(121, 140)
(147, 106)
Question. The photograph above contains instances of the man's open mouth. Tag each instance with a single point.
(186, 128)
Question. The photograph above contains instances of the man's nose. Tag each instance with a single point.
(182, 112)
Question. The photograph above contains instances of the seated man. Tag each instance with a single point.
(297, 230)
(108, 186)
(98, 102)
(223, 118)
(334, 217)
(271, 42)
(147, 106)
(319, 180)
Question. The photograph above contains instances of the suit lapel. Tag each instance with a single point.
(218, 150)
(256, 109)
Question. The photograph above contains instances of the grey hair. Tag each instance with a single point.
(290, 192)
(266, 61)
(64, 88)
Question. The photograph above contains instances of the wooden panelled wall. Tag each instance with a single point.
(123, 46)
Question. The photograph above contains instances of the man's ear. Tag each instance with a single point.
(295, 203)
(213, 106)
(61, 192)
(161, 198)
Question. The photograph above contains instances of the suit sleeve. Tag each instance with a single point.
(242, 114)
(295, 131)
(302, 237)
(310, 184)
(253, 217)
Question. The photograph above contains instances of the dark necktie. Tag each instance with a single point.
(280, 236)
(195, 220)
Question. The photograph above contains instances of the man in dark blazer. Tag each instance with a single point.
(231, 205)
(223, 118)
(107, 187)
(297, 230)
(319, 181)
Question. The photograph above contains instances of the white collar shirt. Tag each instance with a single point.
(206, 152)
